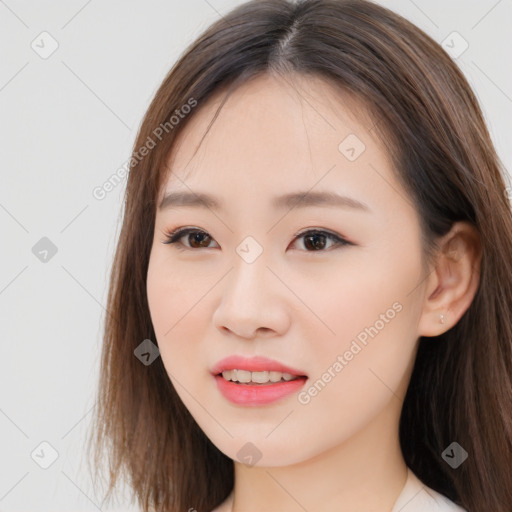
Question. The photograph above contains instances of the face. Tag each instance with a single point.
(327, 290)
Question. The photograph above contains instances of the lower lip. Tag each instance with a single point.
(257, 394)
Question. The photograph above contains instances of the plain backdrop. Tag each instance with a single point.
(68, 122)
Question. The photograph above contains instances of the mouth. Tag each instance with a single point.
(256, 381)
(258, 378)
(255, 370)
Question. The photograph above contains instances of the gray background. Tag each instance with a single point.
(68, 123)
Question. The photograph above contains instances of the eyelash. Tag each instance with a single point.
(173, 237)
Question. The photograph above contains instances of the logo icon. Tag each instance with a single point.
(44, 45)
(249, 454)
(146, 352)
(351, 147)
(454, 455)
(249, 249)
(455, 45)
(44, 455)
(44, 250)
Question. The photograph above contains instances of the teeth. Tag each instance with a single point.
(259, 377)
(245, 376)
(275, 376)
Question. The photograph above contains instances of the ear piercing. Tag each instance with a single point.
(442, 318)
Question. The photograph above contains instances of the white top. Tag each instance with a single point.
(415, 497)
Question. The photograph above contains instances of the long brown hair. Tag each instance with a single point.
(425, 111)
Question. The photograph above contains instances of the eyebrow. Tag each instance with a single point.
(287, 201)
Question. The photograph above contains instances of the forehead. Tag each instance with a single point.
(274, 133)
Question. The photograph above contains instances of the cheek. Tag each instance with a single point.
(363, 371)
(358, 296)
(176, 302)
(372, 318)
(171, 294)
(167, 299)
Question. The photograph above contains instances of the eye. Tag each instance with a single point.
(199, 239)
(198, 236)
(317, 238)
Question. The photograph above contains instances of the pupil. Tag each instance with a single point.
(315, 237)
(197, 239)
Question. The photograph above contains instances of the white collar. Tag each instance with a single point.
(418, 497)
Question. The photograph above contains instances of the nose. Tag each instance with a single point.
(254, 302)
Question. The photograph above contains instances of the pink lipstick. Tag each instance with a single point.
(257, 380)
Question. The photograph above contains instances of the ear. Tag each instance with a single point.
(453, 282)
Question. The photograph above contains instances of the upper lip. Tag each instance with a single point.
(253, 364)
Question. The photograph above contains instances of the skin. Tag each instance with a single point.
(300, 306)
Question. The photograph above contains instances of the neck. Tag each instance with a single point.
(365, 472)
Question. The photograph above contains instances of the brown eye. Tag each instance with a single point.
(200, 238)
(197, 238)
(316, 240)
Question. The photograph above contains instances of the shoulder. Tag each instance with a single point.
(418, 497)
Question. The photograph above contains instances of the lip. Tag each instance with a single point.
(254, 364)
(256, 394)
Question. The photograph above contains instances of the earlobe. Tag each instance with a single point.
(452, 284)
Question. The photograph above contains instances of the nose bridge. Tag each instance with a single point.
(249, 278)
(250, 296)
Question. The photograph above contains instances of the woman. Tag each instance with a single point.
(243, 372)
